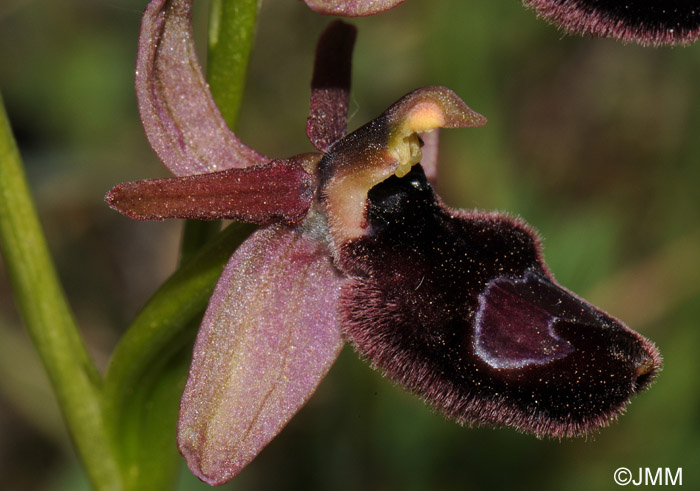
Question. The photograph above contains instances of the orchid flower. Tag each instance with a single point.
(647, 22)
(354, 245)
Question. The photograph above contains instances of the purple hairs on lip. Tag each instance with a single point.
(459, 308)
(647, 22)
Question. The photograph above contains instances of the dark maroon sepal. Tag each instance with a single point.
(330, 85)
(280, 190)
(460, 308)
(647, 22)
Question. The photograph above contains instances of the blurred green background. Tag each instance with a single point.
(595, 144)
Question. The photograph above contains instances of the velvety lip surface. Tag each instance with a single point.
(647, 22)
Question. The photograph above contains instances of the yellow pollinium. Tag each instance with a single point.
(409, 154)
(405, 143)
(369, 157)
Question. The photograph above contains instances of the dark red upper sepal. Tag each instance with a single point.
(460, 308)
(330, 85)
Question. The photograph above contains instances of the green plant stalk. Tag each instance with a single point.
(44, 309)
(232, 25)
(231, 34)
(196, 233)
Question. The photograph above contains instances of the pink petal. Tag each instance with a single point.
(182, 122)
(278, 190)
(269, 336)
(351, 8)
(330, 86)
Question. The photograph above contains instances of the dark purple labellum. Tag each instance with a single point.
(459, 308)
(648, 22)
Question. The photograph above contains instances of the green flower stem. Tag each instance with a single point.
(43, 306)
(231, 34)
(232, 26)
(196, 233)
(178, 302)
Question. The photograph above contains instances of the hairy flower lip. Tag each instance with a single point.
(645, 23)
(419, 277)
(676, 22)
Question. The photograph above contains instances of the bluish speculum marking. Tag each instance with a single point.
(511, 332)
